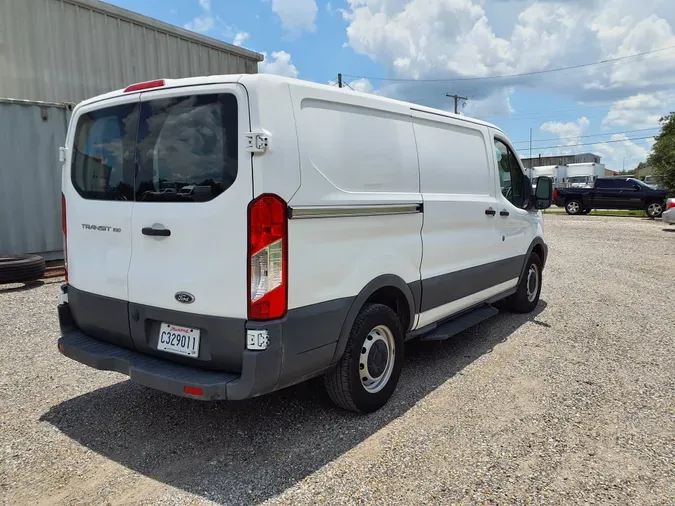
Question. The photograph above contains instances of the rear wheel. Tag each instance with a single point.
(654, 209)
(526, 297)
(367, 374)
(573, 207)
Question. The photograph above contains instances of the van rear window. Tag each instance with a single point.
(179, 149)
(103, 153)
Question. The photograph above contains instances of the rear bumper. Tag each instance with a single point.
(161, 374)
(302, 345)
(668, 216)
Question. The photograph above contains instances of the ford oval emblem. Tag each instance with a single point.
(185, 297)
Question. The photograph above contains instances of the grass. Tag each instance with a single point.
(616, 213)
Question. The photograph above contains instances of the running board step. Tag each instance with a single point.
(457, 325)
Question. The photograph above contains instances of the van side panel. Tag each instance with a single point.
(358, 213)
(462, 262)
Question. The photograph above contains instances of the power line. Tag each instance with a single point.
(584, 136)
(505, 76)
(592, 143)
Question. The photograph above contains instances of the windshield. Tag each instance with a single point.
(649, 180)
(641, 183)
(577, 179)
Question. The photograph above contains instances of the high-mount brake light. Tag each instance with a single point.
(157, 83)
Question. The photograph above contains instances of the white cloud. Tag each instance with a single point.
(240, 37)
(363, 85)
(203, 23)
(450, 39)
(570, 133)
(619, 155)
(495, 104)
(279, 64)
(639, 111)
(296, 15)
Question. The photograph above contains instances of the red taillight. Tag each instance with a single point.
(157, 83)
(64, 228)
(268, 258)
(193, 390)
(670, 204)
(555, 193)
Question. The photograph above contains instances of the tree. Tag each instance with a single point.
(662, 157)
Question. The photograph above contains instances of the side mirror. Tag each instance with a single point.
(543, 194)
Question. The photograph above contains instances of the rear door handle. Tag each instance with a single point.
(490, 212)
(503, 213)
(157, 232)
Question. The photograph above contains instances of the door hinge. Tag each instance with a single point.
(256, 142)
(62, 155)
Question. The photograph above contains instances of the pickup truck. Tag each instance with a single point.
(612, 193)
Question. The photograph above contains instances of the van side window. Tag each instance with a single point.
(187, 148)
(511, 178)
(103, 153)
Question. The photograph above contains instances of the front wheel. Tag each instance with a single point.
(573, 207)
(367, 374)
(654, 209)
(527, 294)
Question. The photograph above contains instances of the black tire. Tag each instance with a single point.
(521, 301)
(20, 268)
(575, 205)
(586, 211)
(344, 383)
(654, 209)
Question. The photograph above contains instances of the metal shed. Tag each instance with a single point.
(71, 50)
(54, 53)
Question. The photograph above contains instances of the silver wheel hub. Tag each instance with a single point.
(532, 282)
(654, 209)
(573, 207)
(376, 361)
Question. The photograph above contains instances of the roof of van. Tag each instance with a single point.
(246, 78)
(274, 79)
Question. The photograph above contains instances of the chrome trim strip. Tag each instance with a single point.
(305, 212)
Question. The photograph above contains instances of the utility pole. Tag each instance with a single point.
(339, 80)
(530, 148)
(457, 99)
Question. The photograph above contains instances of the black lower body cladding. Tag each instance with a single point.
(110, 334)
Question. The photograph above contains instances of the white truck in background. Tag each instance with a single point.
(556, 172)
(583, 175)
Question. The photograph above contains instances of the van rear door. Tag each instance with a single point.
(97, 185)
(189, 248)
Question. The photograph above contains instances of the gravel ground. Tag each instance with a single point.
(574, 404)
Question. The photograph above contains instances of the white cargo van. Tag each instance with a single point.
(333, 226)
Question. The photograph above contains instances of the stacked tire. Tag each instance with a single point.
(21, 268)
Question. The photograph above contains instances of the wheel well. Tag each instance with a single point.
(539, 251)
(395, 299)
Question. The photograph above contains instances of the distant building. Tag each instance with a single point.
(643, 171)
(540, 161)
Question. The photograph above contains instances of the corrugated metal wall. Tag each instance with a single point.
(71, 50)
(30, 177)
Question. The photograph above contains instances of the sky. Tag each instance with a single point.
(421, 50)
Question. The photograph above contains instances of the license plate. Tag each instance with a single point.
(179, 340)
